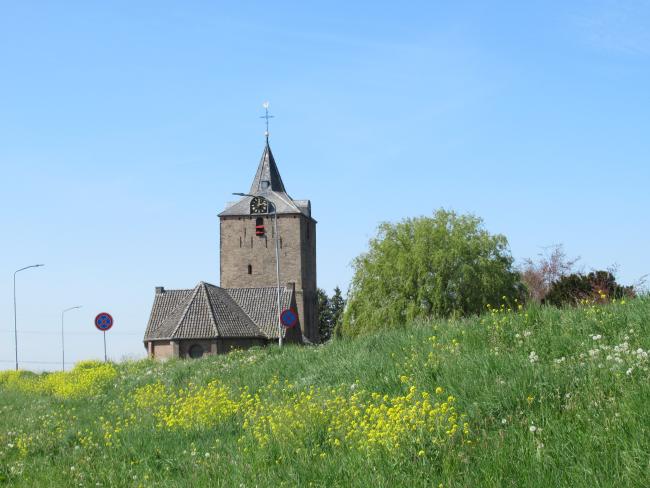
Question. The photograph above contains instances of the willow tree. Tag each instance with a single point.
(438, 266)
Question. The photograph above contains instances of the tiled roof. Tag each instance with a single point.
(163, 305)
(268, 184)
(205, 312)
(260, 304)
(209, 311)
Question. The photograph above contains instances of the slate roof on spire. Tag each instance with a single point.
(268, 184)
(267, 176)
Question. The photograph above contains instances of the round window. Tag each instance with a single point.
(196, 351)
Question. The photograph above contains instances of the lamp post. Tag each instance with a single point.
(270, 205)
(63, 337)
(15, 319)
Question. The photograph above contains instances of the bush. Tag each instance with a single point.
(443, 265)
(597, 286)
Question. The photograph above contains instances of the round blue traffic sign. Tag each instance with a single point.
(289, 318)
(104, 321)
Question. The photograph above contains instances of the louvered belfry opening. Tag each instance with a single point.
(259, 226)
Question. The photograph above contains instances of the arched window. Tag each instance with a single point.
(250, 269)
(196, 351)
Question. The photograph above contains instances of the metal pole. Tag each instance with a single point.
(15, 323)
(63, 337)
(277, 270)
(105, 357)
(15, 317)
(62, 344)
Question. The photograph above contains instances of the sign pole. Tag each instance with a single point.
(103, 322)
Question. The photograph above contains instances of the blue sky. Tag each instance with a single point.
(125, 127)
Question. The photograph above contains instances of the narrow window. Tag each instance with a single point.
(239, 241)
(259, 227)
(280, 242)
(251, 242)
(244, 232)
(250, 269)
(266, 242)
(307, 230)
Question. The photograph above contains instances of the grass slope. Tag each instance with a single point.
(549, 397)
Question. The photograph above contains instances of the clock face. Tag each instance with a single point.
(259, 205)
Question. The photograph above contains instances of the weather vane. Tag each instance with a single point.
(267, 117)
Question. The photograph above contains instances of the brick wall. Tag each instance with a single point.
(241, 248)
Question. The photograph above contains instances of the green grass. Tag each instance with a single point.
(590, 410)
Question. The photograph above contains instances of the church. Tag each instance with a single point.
(243, 311)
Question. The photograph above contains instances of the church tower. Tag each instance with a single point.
(247, 242)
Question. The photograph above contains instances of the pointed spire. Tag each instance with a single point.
(268, 176)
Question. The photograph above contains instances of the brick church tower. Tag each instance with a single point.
(247, 242)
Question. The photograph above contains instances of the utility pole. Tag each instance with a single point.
(15, 316)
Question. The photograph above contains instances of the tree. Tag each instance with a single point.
(330, 311)
(337, 305)
(324, 316)
(597, 286)
(538, 276)
(443, 265)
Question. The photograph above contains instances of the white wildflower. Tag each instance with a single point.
(596, 337)
(532, 428)
(533, 357)
(629, 371)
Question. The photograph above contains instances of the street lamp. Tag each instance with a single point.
(270, 205)
(62, 336)
(15, 320)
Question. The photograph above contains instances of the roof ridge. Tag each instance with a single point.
(284, 290)
(290, 202)
(150, 324)
(212, 313)
(274, 287)
(187, 308)
(233, 303)
(246, 313)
